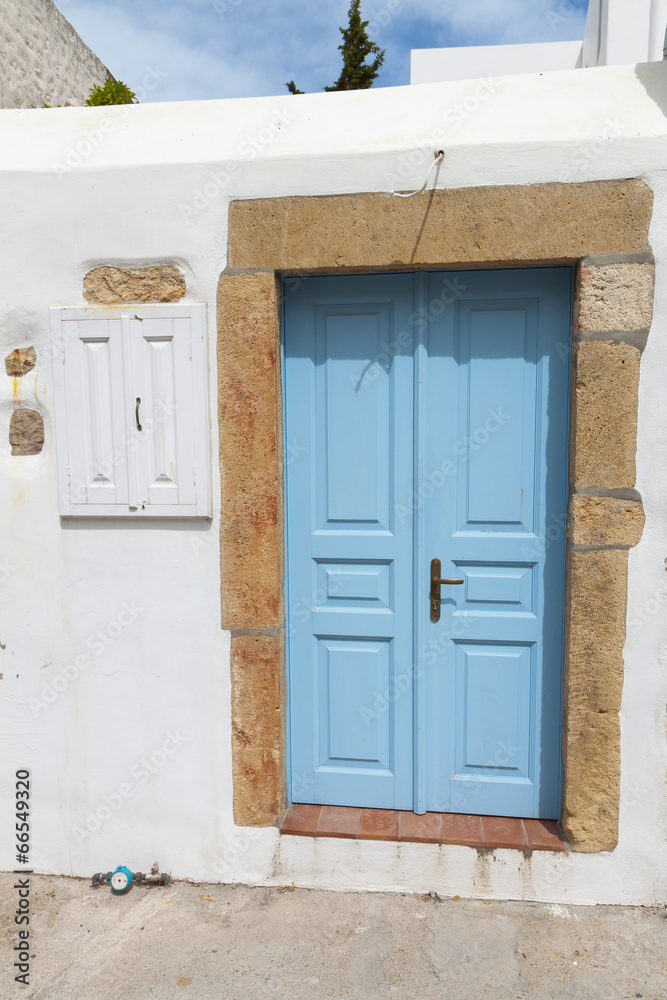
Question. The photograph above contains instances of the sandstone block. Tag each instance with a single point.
(248, 400)
(112, 285)
(257, 688)
(607, 385)
(20, 361)
(257, 729)
(257, 780)
(616, 297)
(26, 432)
(594, 682)
(592, 784)
(550, 222)
(606, 521)
(597, 629)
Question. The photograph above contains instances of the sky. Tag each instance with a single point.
(202, 49)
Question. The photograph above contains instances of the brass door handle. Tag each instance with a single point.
(436, 583)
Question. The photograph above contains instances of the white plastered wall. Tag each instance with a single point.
(467, 62)
(152, 184)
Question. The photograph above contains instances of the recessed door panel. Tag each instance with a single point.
(354, 485)
(353, 676)
(510, 588)
(342, 585)
(497, 413)
(494, 710)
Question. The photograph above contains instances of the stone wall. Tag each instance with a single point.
(42, 59)
(615, 309)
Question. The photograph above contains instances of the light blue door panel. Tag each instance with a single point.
(496, 422)
(351, 672)
(422, 424)
(353, 486)
(495, 673)
(346, 584)
(509, 587)
(349, 420)
(494, 695)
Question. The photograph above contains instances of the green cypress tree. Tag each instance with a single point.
(356, 74)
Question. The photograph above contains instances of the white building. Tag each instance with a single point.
(153, 727)
(618, 32)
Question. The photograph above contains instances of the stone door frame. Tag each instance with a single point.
(602, 229)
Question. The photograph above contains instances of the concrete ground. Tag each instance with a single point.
(254, 943)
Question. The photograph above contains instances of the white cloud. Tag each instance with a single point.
(246, 48)
(503, 21)
(202, 56)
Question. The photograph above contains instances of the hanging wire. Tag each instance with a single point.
(439, 157)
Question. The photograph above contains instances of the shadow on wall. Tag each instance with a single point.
(653, 78)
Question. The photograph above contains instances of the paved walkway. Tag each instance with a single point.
(252, 944)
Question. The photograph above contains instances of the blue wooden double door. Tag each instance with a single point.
(426, 418)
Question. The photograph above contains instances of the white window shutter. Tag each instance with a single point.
(89, 384)
(132, 422)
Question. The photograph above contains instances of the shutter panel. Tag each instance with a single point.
(113, 371)
(91, 434)
(163, 383)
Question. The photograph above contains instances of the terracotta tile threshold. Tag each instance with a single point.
(432, 828)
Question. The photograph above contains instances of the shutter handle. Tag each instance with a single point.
(136, 413)
(436, 583)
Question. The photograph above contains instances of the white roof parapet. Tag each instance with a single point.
(617, 33)
(471, 62)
